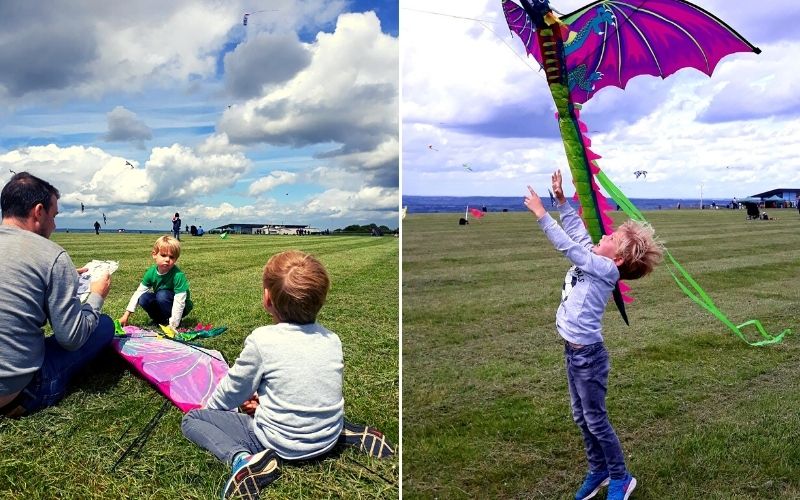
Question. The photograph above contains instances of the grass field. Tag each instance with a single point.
(68, 451)
(700, 413)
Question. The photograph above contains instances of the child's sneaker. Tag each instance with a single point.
(251, 474)
(621, 489)
(366, 439)
(591, 485)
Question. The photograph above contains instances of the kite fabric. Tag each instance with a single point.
(476, 213)
(606, 43)
(185, 374)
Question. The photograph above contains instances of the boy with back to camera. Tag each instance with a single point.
(630, 252)
(294, 367)
(164, 291)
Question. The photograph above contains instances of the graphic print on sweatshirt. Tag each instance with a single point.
(573, 277)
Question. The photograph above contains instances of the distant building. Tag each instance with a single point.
(266, 229)
(285, 229)
(781, 197)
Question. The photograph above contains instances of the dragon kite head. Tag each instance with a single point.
(540, 7)
(540, 12)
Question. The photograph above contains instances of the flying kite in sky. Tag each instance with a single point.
(466, 167)
(606, 43)
(104, 218)
(129, 163)
(430, 146)
(248, 14)
(81, 207)
(552, 198)
(640, 172)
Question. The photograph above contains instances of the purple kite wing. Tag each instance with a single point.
(616, 40)
(183, 373)
(520, 23)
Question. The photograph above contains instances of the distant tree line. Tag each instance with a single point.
(373, 229)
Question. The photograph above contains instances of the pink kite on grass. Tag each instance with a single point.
(184, 373)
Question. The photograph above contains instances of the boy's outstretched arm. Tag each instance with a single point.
(131, 307)
(573, 225)
(534, 204)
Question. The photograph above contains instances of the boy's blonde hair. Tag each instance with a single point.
(638, 248)
(168, 243)
(298, 284)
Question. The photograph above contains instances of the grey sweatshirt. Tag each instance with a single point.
(296, 370)
(39, 284)
(588, 283)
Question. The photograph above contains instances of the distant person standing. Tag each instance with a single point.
(176, 226)
(96, 227)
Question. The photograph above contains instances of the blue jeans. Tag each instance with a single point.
(49, 383)
(587, 377)
(223, 433)
(158, 305)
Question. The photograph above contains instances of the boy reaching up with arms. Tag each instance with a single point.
(164, 290)
(630, 252)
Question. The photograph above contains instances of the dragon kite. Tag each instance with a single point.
(606, 43)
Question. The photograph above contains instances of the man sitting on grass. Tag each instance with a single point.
(41, 285)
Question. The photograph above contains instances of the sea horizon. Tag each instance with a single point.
(450, 204)
(121, 230)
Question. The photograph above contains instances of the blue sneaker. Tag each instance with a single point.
(251, 474)
(621, 489)
(592, 484)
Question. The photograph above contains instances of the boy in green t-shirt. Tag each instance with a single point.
(164, 290)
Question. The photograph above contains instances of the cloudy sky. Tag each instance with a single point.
(470, 93)
(142, 109)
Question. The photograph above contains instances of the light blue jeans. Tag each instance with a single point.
(587, 376)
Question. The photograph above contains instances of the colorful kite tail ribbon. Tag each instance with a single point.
(696, 293)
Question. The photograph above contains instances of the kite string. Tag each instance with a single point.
(701, 297)
(139, 441)
(483, 22)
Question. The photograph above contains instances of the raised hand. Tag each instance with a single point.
(558, 191)
(534, 204)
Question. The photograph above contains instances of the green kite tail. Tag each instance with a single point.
(691, 287)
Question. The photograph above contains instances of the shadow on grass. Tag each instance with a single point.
(99, 375)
